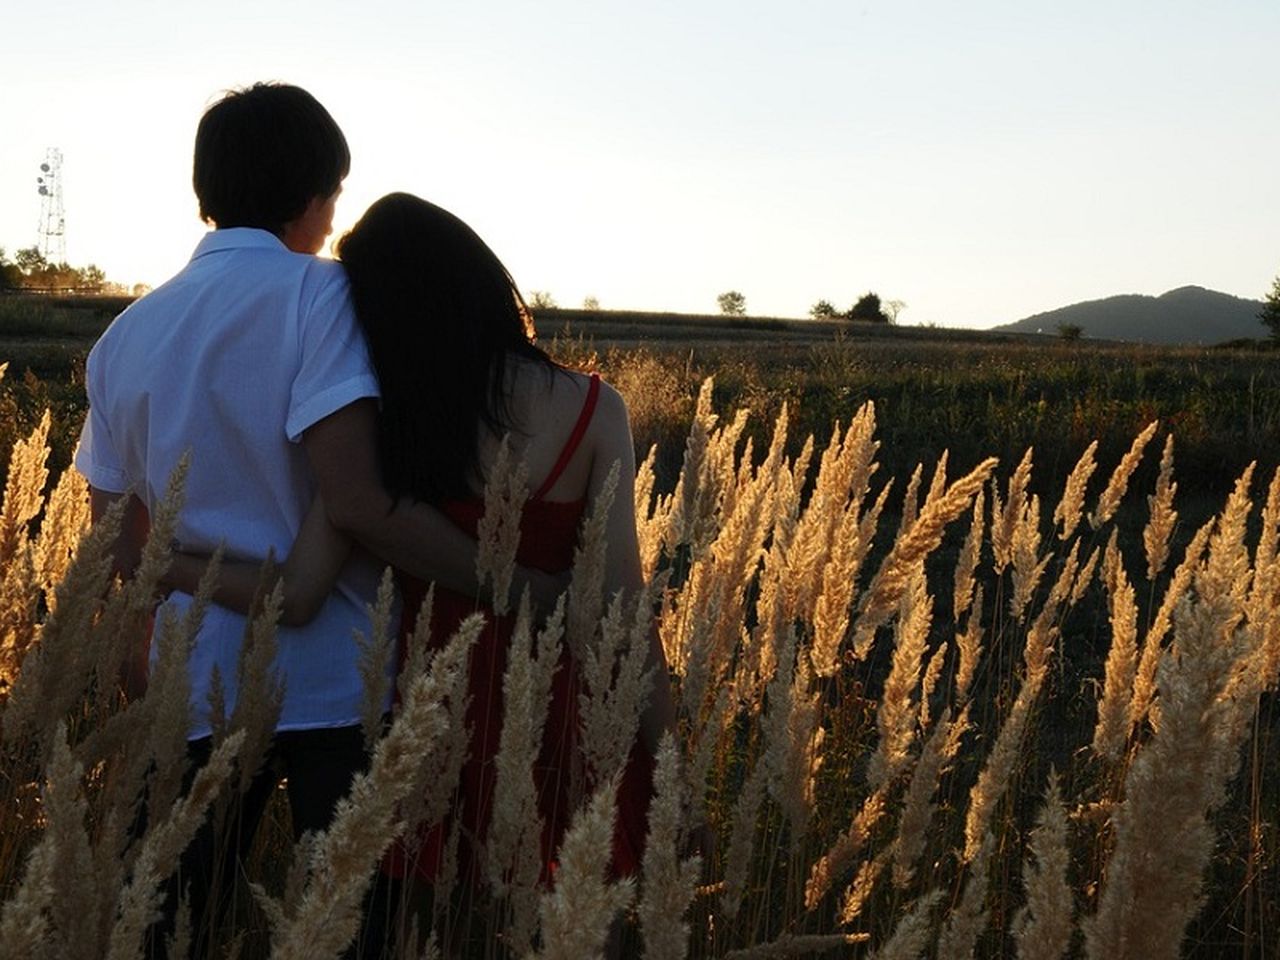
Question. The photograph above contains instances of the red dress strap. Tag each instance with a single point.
(575, 438)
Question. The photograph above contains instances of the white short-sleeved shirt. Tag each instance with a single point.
(232, 360)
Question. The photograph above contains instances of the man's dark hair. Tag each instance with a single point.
(263, 153)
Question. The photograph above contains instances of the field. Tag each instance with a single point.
(933, 704)
(974, 394)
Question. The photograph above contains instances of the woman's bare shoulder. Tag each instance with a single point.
(576, 382)
(570, 388)
(610, 431)
(611, 406)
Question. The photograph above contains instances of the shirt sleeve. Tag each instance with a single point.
(96, 456)
(334, 368)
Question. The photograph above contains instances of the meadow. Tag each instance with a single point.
(975, 642)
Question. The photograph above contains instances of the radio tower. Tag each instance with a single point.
(53, 225)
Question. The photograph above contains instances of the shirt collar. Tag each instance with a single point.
(237, 238)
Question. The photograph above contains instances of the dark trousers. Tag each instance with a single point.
(318, 766)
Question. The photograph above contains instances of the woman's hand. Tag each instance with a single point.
(308, 573)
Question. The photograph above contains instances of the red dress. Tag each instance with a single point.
(548, 535)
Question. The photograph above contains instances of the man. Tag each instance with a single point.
(250, 360)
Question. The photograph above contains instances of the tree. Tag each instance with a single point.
(894, 307)
(867, 310)
(541, 300)
(90, 278)
(590, 303)
(823, 310)
(1070, 331)
(30, 260)
(9, 272)
(1270, 312)
(732, 303)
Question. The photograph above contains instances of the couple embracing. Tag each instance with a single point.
(344, 415)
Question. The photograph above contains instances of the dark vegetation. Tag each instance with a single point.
(974, 394)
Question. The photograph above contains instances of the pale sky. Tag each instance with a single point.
(981, 161)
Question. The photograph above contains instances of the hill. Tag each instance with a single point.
(1185, 315)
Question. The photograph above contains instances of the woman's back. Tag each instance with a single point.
(564, 424)
(569, 429)
(554, 430)
(555, 434)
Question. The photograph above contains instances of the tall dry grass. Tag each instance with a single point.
(871, 701)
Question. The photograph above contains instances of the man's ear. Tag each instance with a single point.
(307, 232)
(295, 233)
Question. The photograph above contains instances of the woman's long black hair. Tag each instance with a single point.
(442, 317)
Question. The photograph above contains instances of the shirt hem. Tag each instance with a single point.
(287, 727)
(102, 478)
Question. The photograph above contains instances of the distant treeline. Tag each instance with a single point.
(30, 272)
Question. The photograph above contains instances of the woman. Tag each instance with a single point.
(452, 344)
